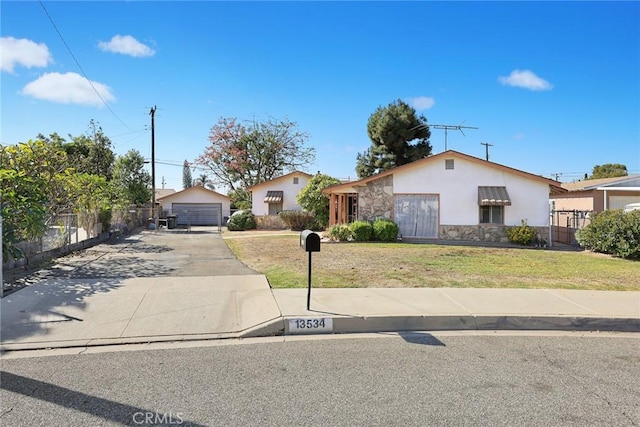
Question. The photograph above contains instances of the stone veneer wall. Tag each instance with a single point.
(483, 233)
(375, 200)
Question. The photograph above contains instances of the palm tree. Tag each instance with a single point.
(204, 181)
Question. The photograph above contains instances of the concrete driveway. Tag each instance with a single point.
(150, 286)
(173, 253)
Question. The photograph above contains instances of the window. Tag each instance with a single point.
(275, 208)
(491, 214)
(448, 163)
(295, 180)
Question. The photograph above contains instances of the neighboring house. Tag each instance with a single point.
(278, 194)
(570, 210)
(450, 196)
(197, 206)
(162, 192)
(598, 195)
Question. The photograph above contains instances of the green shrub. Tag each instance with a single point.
(361, 231)
(340, 233)
(385, 230)
(241, 220)
(299, 220)
(612, 232)
(311, 198)
(521, 235)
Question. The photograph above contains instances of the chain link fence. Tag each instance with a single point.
(65, 233)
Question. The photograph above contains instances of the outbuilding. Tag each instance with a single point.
(197, 206)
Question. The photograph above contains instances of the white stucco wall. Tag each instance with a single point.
(284, 184)
(198, 196)
(458, 191)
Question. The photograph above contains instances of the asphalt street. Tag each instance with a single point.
(409, 379)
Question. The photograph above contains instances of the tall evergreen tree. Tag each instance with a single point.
(187, 180)
(398, 136)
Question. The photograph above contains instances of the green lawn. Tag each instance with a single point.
(285, 264)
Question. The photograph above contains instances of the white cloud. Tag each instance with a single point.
(22, 52)
(422, 102)
(69, 88)
(126, 45)
(525, 79)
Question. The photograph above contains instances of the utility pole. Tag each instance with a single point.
(486, 149)
(153, 168)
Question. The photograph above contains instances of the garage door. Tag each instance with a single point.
(417, 215)
(198, 213)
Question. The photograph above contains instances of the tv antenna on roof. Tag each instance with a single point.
(447, 128)
(451, 127)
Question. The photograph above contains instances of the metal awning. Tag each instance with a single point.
(493, 196)
(274, 197)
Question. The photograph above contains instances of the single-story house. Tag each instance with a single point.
(597, 195)
(162, 192)
(278, 194)
(196, 206)
(571, 209)
(450, 196)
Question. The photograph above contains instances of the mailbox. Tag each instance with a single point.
(310, 241)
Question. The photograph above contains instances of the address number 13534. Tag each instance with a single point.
(321, 324)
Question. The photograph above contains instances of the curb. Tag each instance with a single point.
(274, 327)
(366, 324)
(104, 342)
(372, 324)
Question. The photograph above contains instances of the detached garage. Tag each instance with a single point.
(197, 206)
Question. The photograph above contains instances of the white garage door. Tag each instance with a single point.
(417, 215)
(198, 213)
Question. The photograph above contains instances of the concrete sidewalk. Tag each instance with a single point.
(80, 313)
(430, 309)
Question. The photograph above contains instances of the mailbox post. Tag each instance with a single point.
(310, 242)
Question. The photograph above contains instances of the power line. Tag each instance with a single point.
(80, 67)
(179, 164)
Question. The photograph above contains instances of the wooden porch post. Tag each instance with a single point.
(332, 209)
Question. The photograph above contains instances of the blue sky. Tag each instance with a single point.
(554, 86)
